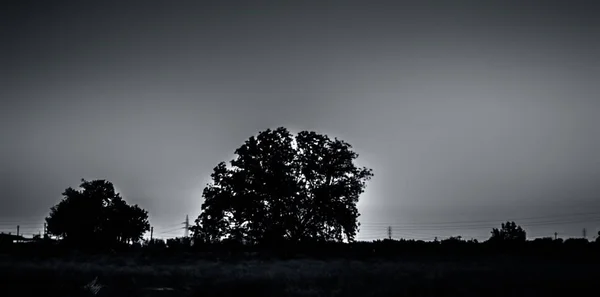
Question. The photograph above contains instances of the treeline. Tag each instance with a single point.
(453, 246)
(450, 248)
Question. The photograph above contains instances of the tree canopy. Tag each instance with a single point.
(510, 232)
(96, 214)
(284, 187)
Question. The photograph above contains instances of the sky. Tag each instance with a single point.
(470, 113)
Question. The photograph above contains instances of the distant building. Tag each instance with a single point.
(10, 238)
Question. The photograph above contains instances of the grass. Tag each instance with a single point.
(299, 277)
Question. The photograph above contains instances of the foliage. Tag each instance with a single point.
(156, 243)
(546, 242)
(576, 242)
(509, 233)
(453, 239)
(95, 214)
(284, 188)
(179, 242)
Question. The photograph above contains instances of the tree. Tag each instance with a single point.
(510, 232)
(453, 240)
(284, 188)
(95, 214)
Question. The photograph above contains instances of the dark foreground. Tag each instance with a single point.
(494, 276)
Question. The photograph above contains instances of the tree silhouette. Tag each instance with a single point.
(281, 187)
(95, 214)
(510, 232)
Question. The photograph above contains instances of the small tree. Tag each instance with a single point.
(509, 233)
(95, 215)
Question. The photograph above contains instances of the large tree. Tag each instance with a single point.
(96, 214)
(281, 187)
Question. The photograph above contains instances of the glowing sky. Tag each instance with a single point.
(466, 112)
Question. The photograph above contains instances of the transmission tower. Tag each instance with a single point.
(187, 227)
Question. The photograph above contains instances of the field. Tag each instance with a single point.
(118, 276)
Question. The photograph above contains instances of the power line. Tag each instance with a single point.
(22, 224)
(480, 226)
(489, 221)
(172, 226)
(171, 231)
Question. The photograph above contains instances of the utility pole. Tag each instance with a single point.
(390, 232)
(584, 233)
(555, 235)
(18, 227)
(187, 226)
(151, 232)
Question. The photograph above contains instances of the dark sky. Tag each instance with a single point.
(469, 114)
